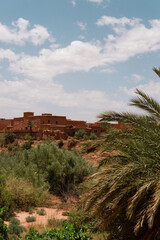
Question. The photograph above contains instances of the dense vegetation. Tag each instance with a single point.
(3, 227)
(27, 176)
(124, 195)
(68, 232)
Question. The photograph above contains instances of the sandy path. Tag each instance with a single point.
(40, 220)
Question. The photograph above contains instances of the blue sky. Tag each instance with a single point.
(77, 57)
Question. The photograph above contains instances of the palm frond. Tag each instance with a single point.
(125, 191)
(146, 103)
(157, 71)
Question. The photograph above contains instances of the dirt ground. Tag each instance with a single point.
(40, 220)
(55, 212)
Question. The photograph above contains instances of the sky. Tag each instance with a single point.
(77, 58)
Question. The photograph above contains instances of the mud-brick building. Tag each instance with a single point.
(47, 125)
(4, 123)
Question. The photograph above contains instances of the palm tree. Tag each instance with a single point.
(30, 124)
(124, 194)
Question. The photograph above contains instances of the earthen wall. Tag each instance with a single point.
(48, 124)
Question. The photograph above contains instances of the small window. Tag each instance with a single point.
(48, 121)
(56, 122)
(101, 131)
(95, 130)
(26, 128)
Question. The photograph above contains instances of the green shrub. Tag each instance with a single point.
(41, 212)
(30, 219)
(23, 193)
(28, 137)
(45, 167)
(31, 210)
(14, 220)
(14, 228)
(80, 133)
(5, 196)
(3, 226)
(27, 145)
(93, 136)
(56, 223)
(9, 137)
(67, 232)
(2, 143)
(83, 220)
(13, 147)
(66, 171)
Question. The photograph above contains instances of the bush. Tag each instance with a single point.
(30, 219)
(81, 219)
(31, 210)
(66, 171)
(27, 145)
(67, 232)
(14, 220)
(5, 196)
(23, 193)
(13, 147)
(41, 212)
(3, 227)
(9, 137)
(80, 133)
(45, 167)
(28, 137)
(2, 143)
(56, 223)
(14, 228)
(93, 136)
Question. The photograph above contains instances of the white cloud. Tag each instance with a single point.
(74, 3)
(137, 77)
(151, 88)
(134, 78)
(78, 56)
(96, 1)
(29, 94)
(108, 70)
(81, 37)
(108, 20)
(82, 25)
(8, 54)
(19, 33)
(129, 42)
(84, 56)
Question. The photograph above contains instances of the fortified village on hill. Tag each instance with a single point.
(47, 125)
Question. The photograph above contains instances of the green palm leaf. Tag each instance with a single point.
(144, 102)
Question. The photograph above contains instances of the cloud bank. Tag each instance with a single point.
(36, 73)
